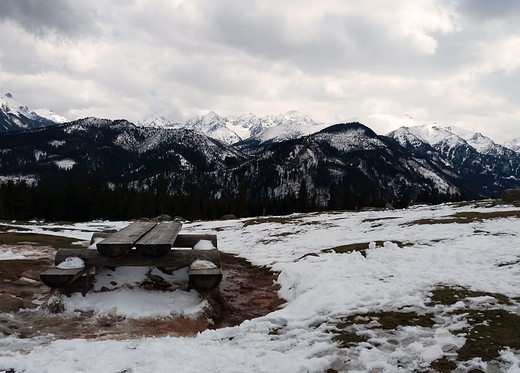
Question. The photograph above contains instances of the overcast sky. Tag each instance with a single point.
(450, 62)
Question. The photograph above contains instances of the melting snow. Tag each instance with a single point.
(403, 256)
(71, 263)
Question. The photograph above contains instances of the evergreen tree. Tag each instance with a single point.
(303, 198)
(333, 198)
(349, 201)
(194, 211)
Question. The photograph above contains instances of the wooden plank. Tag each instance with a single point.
(58, 278)
(174, 259)
(120, 243)
(158, 242)
(190, 240)
(182, 240)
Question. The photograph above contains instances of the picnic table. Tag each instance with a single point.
(144, 244)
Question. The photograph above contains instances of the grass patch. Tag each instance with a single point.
(361, 247)
(213, 310)
(490, 331)
(450, 295)
(268, 220)
(467, 217)
(348, 339)
(490, 328)
(344, 249)
(378, 219)
(37, 239)
(390, 320)
(54, 305)
(479, 216)
(443, 365)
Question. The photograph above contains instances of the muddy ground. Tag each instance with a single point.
(246, 292)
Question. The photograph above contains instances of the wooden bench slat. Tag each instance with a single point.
(157, 242)
(58, 278)
(120, 243)
(174, 259)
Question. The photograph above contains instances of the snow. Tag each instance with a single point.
(9, 105)
(157, 121)
(407, 254)
(138, 303)
(71, 263)
(513, 144)
(30, 180)
(51, 115)
(202, 264)
(204, 245)
(274, 127)
(383, 123)
(65, 164)
(9, 255)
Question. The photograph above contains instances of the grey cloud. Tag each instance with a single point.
(486, 9)
(336, 42)
(503, 85)
(40, 17)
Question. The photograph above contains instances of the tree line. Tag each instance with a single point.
(84, 201)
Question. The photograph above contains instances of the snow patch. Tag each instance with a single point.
(204, 245)
(71, 263)
(65, 164)
(202, 264)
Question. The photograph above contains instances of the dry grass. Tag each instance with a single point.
(467, 217)
(491, 326)
(361, 247)
(268, 220)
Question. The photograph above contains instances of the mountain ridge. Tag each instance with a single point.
(344, 165)
(246, 127)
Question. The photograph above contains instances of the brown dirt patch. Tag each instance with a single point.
(246, 292)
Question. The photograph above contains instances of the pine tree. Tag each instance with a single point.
(303, 199)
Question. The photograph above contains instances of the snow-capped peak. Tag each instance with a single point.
(51, 115)
(513, 144)
(447, 137)
(214, 126)
(157, 121)
(14, 109)
(284, 126)
(274, 127)
(481, 143)
(383, 123)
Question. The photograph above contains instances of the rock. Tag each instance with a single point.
(389, 207)
(511, 195)
(8, 303)
(32, 274)
(228, 217)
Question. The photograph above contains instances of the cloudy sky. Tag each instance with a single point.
(454, 62)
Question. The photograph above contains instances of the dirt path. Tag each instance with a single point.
(246, 292)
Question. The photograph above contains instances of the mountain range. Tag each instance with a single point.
(263, 158)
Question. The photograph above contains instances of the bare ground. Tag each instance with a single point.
(246, 292)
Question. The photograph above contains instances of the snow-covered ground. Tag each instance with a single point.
(403, 256)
